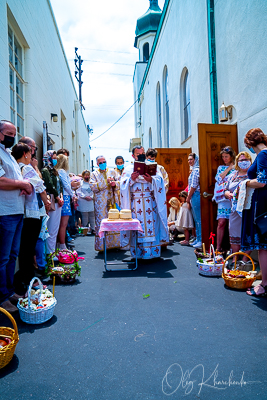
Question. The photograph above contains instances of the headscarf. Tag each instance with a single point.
(47, 159)
(196, 163)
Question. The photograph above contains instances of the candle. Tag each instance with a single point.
(204, 249)
(54, 280)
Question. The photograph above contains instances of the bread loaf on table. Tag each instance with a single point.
(113, 214)
(125, 214)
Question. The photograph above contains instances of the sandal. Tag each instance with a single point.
(184, 243)
(251, 291)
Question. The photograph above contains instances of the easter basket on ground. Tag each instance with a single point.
(38, 307)
(68, 268)
(210, 266)
(11, 337)
(237, 279)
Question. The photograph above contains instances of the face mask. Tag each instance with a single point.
(120, 166)
(8, 141)
(149, 160)
(54, 162)
(252, 150)
(244, 164)
(103, 166)
(141, 157)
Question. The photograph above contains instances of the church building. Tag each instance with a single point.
(200, 81)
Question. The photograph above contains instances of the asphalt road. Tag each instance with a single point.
(191, 338)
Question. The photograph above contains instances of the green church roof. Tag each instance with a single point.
(149, 22)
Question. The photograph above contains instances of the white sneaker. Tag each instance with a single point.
(193, 243)
(197, 244)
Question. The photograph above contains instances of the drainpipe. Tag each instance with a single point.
(212, 62)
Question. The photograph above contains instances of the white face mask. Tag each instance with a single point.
(244, 164)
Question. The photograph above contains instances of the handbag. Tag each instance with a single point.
(261, 222)
(53, 204)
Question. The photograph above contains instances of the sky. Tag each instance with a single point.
(104, 32)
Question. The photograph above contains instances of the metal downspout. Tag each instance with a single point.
(212, 62)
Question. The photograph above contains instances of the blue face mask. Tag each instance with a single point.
(244, 164)
(54, 162)
(150, 160)
(103, 166)
(120, 166)
(252, 150)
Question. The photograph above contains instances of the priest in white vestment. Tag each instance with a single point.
(145, 196)
(105, 187)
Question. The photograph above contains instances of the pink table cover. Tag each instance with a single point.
(119, 225)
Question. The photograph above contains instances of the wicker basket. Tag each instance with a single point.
(210, 269)
(40, 316)
(239, 283)
(68, 261)
(7, 352)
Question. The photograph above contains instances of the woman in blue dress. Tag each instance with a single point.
(252, 239)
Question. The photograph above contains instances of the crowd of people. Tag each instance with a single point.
(40, 210)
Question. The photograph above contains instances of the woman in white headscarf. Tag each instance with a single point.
(193, 198)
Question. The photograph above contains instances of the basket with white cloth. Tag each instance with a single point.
(38, 307)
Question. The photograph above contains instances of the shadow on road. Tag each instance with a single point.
(10, 367)
(156, 268)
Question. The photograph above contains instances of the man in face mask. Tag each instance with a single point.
(151, 155)
(12, 190)
(105, 187)
(119, 161)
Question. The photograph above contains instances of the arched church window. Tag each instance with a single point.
(150, 138)
(166, 107)
(186, 106)
(159, 115)
(146, 52)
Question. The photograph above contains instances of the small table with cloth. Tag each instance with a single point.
(119, 226)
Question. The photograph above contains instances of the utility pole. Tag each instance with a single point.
(78, 75)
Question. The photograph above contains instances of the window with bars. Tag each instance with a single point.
(16, 83)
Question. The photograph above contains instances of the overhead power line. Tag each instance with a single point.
(114, 122)
(109, 51)
(105, 62)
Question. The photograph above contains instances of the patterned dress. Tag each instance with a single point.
(235, 220)
(148, 204)
(224, 205)
(251, 239)
(104, 199)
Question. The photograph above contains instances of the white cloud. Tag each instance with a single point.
(95, 27)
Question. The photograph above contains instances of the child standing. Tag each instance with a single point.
(185, 220)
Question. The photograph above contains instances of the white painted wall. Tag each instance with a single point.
(241, 49)
(48, 87)
(242, 61)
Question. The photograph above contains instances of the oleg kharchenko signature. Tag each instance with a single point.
(176, 378)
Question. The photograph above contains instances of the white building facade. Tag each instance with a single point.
(36, 82)
(204, 53)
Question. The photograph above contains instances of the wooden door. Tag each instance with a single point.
(212, 138)
(175, 161)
